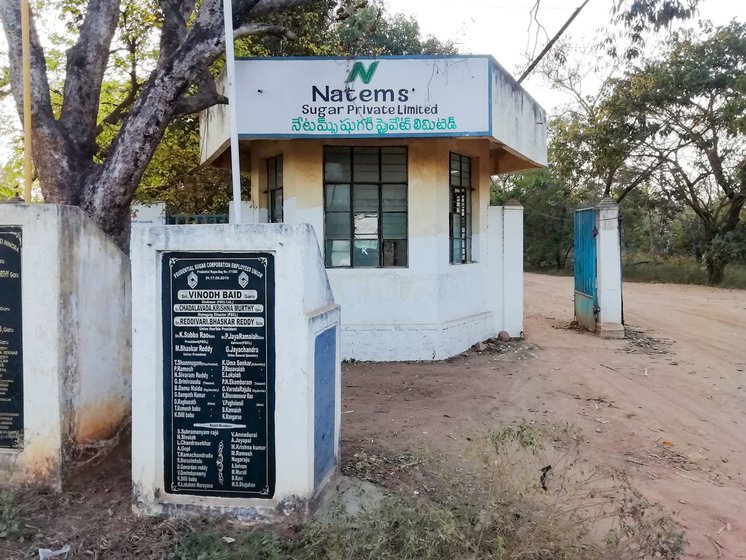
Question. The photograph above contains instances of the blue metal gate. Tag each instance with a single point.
(586, 292)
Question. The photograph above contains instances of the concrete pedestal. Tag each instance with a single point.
(236, 370)
(65, 377)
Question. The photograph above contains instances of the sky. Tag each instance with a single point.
(501, 28)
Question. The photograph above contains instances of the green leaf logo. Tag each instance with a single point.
(359, 71)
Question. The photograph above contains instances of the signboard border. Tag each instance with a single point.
(17, 230)
(168, 444)
(491, 65)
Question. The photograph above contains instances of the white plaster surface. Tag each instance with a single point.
(250, 214)
(214, 128)
(304, 308)
(154, 213)
(423, 301)
(76, 361)
(609, 271)
(518, 121)
(431, 311)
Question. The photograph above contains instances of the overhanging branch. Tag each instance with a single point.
(198, 102)
(263, 29)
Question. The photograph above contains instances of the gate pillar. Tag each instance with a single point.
(609, 271)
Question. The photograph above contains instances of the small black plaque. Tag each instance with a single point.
(219, 370)
(11, 339)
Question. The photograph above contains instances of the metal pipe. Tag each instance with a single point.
(26, 48)
(230, 78)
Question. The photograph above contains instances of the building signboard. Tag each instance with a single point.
(364, 97)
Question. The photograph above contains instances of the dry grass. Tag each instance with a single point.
(513, 508)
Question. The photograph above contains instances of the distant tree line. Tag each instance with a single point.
(666, 139)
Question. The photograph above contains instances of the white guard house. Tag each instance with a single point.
(390, 160)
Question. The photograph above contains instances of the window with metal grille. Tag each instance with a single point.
(274, 189)
(365, 206)
(460, 212)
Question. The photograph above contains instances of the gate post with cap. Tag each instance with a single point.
(609, 270)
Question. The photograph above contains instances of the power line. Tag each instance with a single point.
(551, 43)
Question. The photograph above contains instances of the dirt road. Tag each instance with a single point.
(668, 407)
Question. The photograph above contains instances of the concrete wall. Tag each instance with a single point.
(505, 233)
(304, 309)
(518, 121)
(214, 128)
(430, 309)
(76, 339)
(154, 213)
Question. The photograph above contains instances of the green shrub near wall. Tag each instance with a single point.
(680, 271)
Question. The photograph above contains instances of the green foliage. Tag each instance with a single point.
(679, 271)
(12, 524)
(174, 176)
(693, 101)
(641, 18)
(314, 26)
(668, 141)
(549, 202)
(210, 545)
(372, 31)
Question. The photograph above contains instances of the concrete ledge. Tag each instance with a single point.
(394, 343)
(610, 330)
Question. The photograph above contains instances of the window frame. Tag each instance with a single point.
(380, 184)
(277, 161)
(467, 213)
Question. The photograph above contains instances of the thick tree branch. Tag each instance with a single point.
(180, 66)
(86, 64)
(263, 29)
(175, 15)
(120, 111)
(51, 154)
(198, 102)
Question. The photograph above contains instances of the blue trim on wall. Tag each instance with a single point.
(384, 57)
(483, 133)
(490, 103)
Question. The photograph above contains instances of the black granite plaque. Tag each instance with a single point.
(219, 370)
(11, 339)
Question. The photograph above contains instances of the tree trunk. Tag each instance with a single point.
(716, 270)
(65, 144)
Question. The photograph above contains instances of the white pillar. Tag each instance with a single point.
(609, 271)
(495, 266)
(513, 268)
